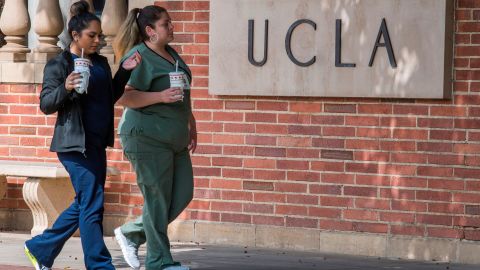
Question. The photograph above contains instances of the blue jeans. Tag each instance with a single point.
(87, 174)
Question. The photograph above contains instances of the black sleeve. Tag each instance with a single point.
(54, 95)
(119, 81)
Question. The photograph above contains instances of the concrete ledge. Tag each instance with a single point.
(363, 244)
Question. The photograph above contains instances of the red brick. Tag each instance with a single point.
(360, 191)
(435, 123)
(362, 121)
(373, 180)
(268, 220)
(336, 225)
(228, 139)
(304, 130)
(23, 130)
(373, 132)
(433, 195)
(201, 215)
(226, 206)
(446, 184)
(305, 107)
(466, 173)
(239, 128)
(200, 205)
(397, 217)
(260, 140)
(197, 5)
(271, 129)
(254, 185)
(292, 165)
(238, 150)
(410, 109)
(371, 203)
(303, 176)
(434, 219)
(259, 163)
(451, 135)
(370, 227)
(434, 147)
(325, 189)
(240, 105)
(398, 121)
(407, 230)
(371, 156)
(301, 222)
(199, 171)
(464, 15)
(445, 232)
(291, 210)
(236, 218)
(448, 208)
(270, 152)
(197, 27)
(261, 117)
(324, 212)
(339, 131)
(360, 215)
(409, 158)
(467, 123)
(209, 127)
(294, 142)
(236, 195)
(410, 134)
(226, 184)
(375, 108)
(302, 199)
(397, 146)
(228, 117)
(397, 193)
(362, 144)
(270, 175)
(466, 197)
(329, 143)
(410, 206)
(226, 162)
(269, 197)
(340, 108)
(328, 120)
(237, 173)
(291, 187)
(466, 221)
(336, 201)
(258, 208)
(272, 106)
(200, 193)
(434, 171)
(327, 166)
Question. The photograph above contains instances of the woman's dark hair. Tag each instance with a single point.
(133, 30)
(80, 17)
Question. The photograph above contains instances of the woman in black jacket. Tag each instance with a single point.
(84, 128)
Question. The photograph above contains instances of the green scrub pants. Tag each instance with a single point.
(165, 178)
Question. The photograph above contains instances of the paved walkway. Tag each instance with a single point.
(204, 257)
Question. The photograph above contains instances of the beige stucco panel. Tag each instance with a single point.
(416, 27)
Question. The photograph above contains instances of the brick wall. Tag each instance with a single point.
(397, 167)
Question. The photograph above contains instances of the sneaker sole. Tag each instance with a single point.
(32, 259)
(123, 248)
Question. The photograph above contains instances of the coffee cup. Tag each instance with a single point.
(82, 66)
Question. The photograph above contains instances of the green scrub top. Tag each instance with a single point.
(166, 122)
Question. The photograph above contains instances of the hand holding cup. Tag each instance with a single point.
(73, 80)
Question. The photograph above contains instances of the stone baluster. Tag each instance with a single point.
(48, 26)
(114, 13)
(15, 24)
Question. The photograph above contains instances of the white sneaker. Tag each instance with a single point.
(129, 251)
(176, 268)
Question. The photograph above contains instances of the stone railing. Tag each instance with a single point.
(24, 63)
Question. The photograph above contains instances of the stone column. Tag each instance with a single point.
(114, 14)
(48, 26)
(14, 23)
(47, 198)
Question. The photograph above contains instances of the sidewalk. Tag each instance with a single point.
(203, 257)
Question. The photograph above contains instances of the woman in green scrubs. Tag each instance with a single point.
(157, 131)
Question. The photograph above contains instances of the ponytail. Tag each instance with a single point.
(132, 31)
(128, 35)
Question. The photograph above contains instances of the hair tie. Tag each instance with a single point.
(138, 14)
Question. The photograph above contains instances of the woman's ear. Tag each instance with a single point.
(149, 30)
(75, 36)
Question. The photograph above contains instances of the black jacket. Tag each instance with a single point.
(69, 134)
